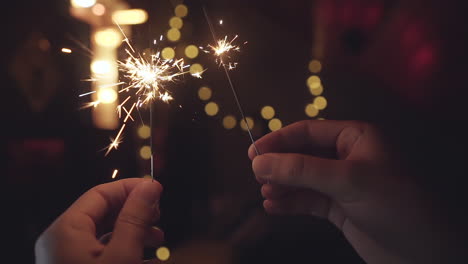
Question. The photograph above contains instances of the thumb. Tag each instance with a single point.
(334, 178)
(135, 219)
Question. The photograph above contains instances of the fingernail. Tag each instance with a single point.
(262, 165)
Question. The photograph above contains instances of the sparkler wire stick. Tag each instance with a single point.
(231, 84)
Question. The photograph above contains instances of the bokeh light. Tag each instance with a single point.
(212, 109)
(99, 10)
(173, 34)
(101, 67)
(317, 91)
(191, 51)
(83, 3)
(205, 93)
(314, 82)
(130, 17)
(268, 112)
(275, 124)
(163, 253)
(144, 132)
(196, 69)
(168, 53)
(181, 11)
(311, 110)
(145, 153)
(229, 122)
(320, 102)
(176, 22)
(250, 121)
(108, 38)
(107, 95)
(315, 66)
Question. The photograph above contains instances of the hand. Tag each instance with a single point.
(130, 206)
(360, 187)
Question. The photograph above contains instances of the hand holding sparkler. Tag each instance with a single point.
(72, 237)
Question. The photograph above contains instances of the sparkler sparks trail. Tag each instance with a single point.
(114, 175)
(146, 79)
(221, 51)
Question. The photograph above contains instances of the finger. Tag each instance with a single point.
(300, 203)
(276, 191)
(310, 134)
(334, 178)
(135, 219)
(154, 237)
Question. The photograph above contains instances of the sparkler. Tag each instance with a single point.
(145, 81)
(221, 51)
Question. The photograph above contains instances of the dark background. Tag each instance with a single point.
(398, 64)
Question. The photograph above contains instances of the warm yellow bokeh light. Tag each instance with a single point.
(110, 37)
(212, 109)
(314, 82)
(229, 122)
(173, 34)
(317, 91)
(130, 17)
(168, 53)
(99, 9)
(144, 132)
(176, 22)
(191, 51)
(196, 69)
(145, 153)
(250, 121)
(275, 124)
(320, 102)
(163, 253)
(205, 93)
(315, 66)
(107, 95)
(268, 112)
(181, 11)
(101, 67)
(311, 110)
(83, 3)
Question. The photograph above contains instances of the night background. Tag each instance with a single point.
(400, 65)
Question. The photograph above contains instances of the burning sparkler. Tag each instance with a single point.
(222, 51)
(145, 80)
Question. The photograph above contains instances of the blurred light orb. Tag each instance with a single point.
(99, 10)
(176, 22)
(229, 122)
(107, 95)
(314, 82)
(275, 124)
(268, 112)
(191, 51)
(212, 109)
(168, 53)
(101, 67)
(110, 38)
(311, 110)
(181, 11)
(130, 17)
(315, 66)
(250, 122)
(205, 93)
(173, 34)
(318, 91)
(144, 132)
(320, 102)
(145, 153)
(83, 3)
(163, 253)
(196, 69)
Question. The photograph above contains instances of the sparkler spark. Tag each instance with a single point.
(114, 175)
(145, 79)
